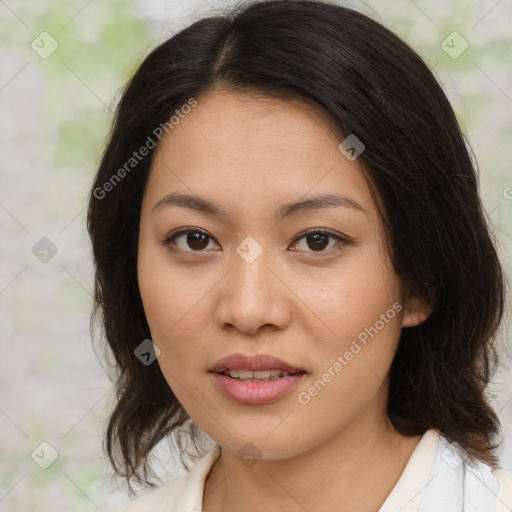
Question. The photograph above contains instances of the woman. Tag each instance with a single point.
(292, 257)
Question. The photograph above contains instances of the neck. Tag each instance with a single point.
(352, 471)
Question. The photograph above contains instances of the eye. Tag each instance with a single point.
(197, 240)
(317, 240)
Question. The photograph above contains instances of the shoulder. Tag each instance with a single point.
(479, 485)
(161, 499)
(504, 501)
(183, 493)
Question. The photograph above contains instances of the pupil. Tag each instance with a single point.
(316, 237)
(196, 241)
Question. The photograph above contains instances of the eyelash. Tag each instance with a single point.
(342, 242)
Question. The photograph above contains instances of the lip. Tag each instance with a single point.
(253, 362)
(253, 393)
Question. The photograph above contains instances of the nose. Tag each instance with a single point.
(253, 295)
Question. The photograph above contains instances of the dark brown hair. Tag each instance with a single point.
(416, 161)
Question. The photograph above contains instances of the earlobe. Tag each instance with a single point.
(415, 312)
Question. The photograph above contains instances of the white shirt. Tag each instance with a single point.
(437, 478)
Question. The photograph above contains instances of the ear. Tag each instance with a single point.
(415, 312)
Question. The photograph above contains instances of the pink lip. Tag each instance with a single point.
(253, 362)
(255, 392)
(252, 393)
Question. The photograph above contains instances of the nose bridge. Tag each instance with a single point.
(252, 278)
(253, 295)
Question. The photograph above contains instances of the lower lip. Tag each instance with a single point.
(253, 393)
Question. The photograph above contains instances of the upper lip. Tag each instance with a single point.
(253, 362)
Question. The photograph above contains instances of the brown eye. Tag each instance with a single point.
(195, 240)
(317, 241)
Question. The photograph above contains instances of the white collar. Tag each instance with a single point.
(436, 477)
(408, 491)
(414, 476)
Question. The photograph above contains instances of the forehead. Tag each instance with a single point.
(247, 148)
(246, 123)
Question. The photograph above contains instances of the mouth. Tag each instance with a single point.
(255, 367)
(256, 387)
(255, 379)
(259, 375)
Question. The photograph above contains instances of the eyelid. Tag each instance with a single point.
(342, 240)
(325, 231)
(183, 231)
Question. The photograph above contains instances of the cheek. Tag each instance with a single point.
(172, 314)
(176, 307)
(354, 295)
(357, 317)
(349, 372)
(156, 290)
(168, 295)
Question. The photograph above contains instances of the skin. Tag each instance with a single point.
(251, 155)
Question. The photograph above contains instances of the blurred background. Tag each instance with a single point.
(62, 64)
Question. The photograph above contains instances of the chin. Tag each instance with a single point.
(263, 448)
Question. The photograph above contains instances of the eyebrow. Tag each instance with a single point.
(315, 202)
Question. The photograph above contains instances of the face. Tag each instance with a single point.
(245, 280)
